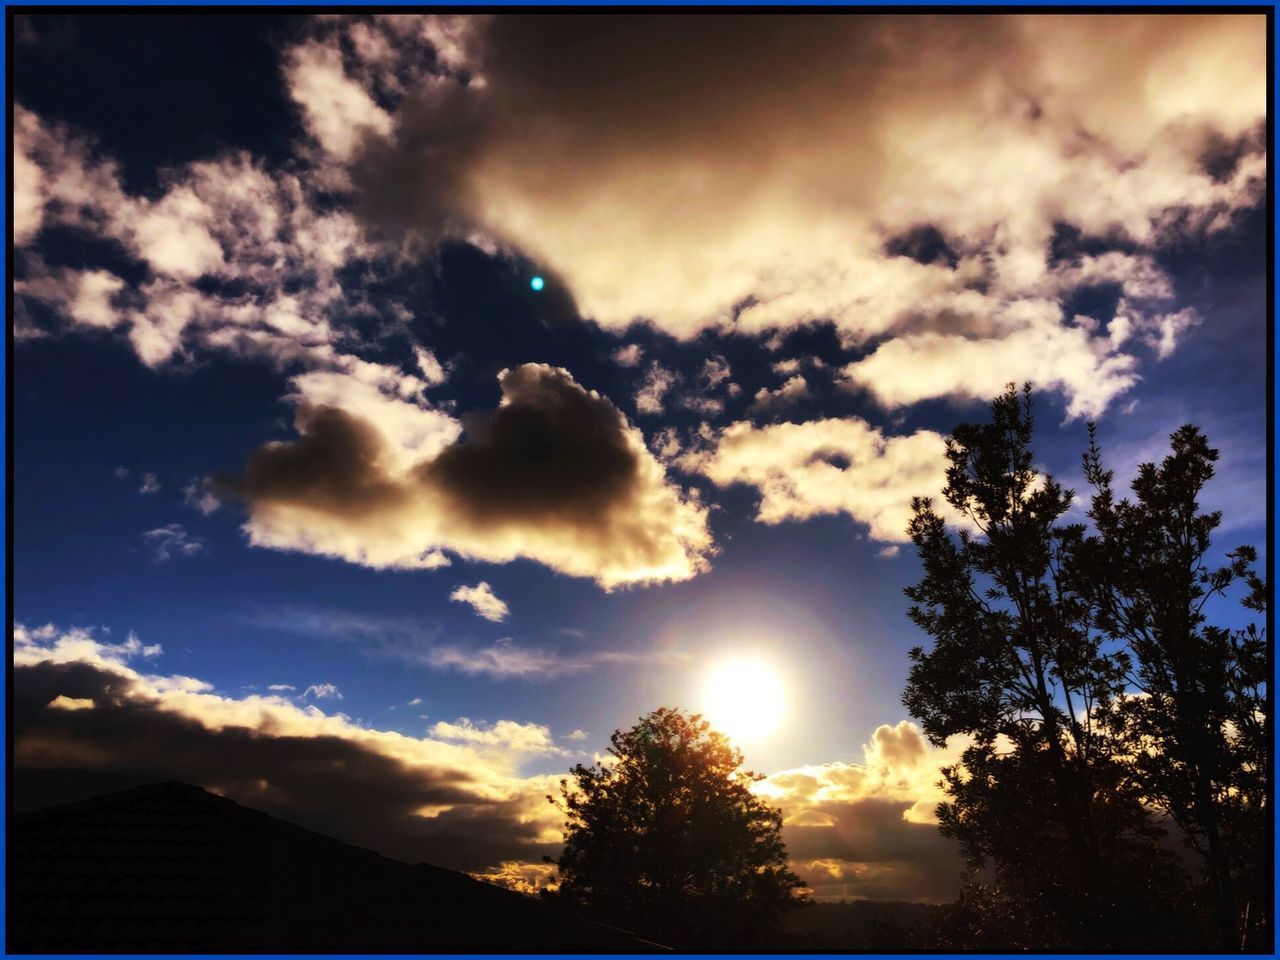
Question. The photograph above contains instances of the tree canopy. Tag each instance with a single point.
(1103, 710)
(666, 838)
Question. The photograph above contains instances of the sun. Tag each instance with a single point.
(744, 700)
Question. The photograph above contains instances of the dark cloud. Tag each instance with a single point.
(334, 784)
(336, 466)
(552, 453)
(555, 473)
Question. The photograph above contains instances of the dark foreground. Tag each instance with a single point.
(171, 868)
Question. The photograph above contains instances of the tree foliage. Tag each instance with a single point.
(1195, 727)
(1100, 706)
(667, 839)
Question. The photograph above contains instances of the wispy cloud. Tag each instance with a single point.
(171, 541)
(421, 644)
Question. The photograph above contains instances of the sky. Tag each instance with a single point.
(322, 502)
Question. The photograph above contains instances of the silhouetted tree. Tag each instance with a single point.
(1061, 852)
(1195, 725)
(667, 839)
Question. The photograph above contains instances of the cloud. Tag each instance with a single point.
(868, 831)
(458, 804)
(823, 467)
(149, 484)
(86, 720)
(417, 643)
(197, 494)
(784, 398)
(280, 687)
(657, 383)
(321, 691)
(522, 738)
(665, 177)
(172, 540)
(61, 702)
(554, 474)
(483, 601)
(629, 355)
(508, 660)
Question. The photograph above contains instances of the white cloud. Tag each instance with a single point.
(482, 600)
(508, 660)
(172, 540)
(629, 355)
(280, 687)
(322, 691)
(782, 399)
(527, 738)
(433, 373)
(657, 382)
(150, 484)
(63, 702)
(198, 495)
(1031, 344)
(576, 735)
(337, 111)
(823, 467)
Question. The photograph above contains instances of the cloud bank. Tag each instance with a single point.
(907, 177)
(87, 718)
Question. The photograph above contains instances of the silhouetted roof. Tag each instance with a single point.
(172, 868)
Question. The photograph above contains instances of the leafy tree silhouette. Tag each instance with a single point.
(1197, 729)
(1062, 852)
(667, 839)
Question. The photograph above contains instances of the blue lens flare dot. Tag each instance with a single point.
(536, 283)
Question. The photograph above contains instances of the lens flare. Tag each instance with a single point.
(537, 283)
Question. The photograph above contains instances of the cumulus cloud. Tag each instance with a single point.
(150, 484)
(555, 474)
(665, 177)
(483, 601)
(868, 830)
(454, 803)
(824, 467)
(172, 540)
(280, 687)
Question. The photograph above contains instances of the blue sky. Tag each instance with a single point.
(223, 223)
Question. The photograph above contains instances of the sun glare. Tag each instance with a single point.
(744, 700)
